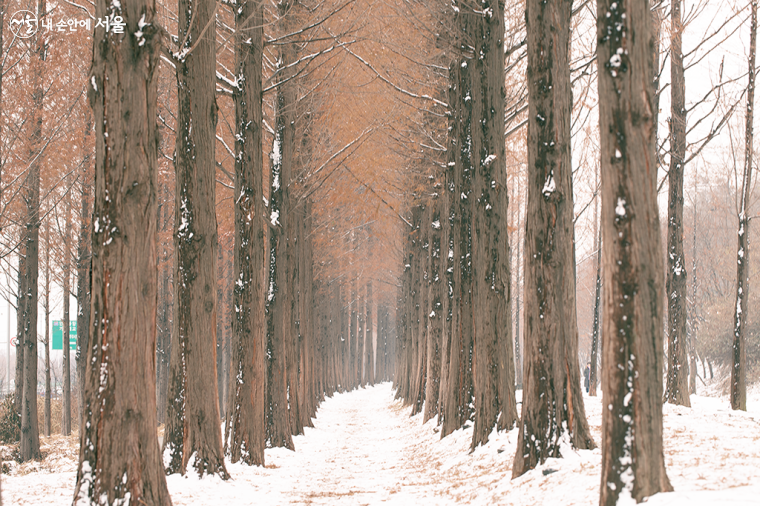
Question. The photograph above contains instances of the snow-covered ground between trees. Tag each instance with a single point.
(366, 450)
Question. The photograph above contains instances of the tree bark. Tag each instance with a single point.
(66, 415)
(677, 387)
(492, 357)
(593, 376)
(436, 317)
(279, 324)
(552, 411)
(47, 329)
(245, 434)
(192, 418)
(738, 351)
(633, 464)
(119, 457)
(84, 278)
(30, 440)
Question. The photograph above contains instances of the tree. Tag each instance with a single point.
(552, 413)
(279, 307)
(192, 419)
(119, 458)
(593, 376)
(245, 434)
(493, 362)
(66, 417)
(677, 388)
(30, 442)
(633, 464)
(84, 272)
(46, 307)
(738, 390)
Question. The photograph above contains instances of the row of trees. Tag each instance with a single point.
(445, 340)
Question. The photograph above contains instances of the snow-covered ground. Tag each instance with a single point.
(366, 450)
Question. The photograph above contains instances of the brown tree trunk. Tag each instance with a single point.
(677, 386)
(360, 337)
(738, 351)
(436, 317)
(84, 280)
(119, 457)
(592, 375)
(369, 345)
(633, 464)
(47, 328)
(66, 415)
(245, 434)
(192, 418)
(20, 326)
(279, 323)
(518, 296)
(552, 411)
(489, 314)
(419, 311)
(30, 440)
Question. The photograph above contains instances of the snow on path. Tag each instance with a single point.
(366, 450)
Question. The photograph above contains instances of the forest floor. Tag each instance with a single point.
(366, 450)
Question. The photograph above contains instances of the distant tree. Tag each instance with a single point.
(739, 354)
(66, 273)
(677, 386)
(633, 464)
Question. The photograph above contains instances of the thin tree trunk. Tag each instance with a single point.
(66, 415)
(738, 351)
(30, 440)
(436, 316)
(47, 329)
(84, 262)
(677, 386)
(593, 376)
(192, 419)
(553, 413)
(20, 326)
(633, 464)
(119, 457)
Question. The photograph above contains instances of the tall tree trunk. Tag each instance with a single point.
(518, 294)
(693, 328)
(593, 376)
(633, 464)
(436, 317)
(192, 418)
(20, 326)
(84, 262)
(119, 457)
(492, 360)
(738, 351)
(47, 329)
(66, 326)
(245, 434)
(360, 337)
(369, 345)
(279, 324)
(552, 412)
(30, 440)
(677, 387)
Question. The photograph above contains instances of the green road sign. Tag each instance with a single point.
(58, 335)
